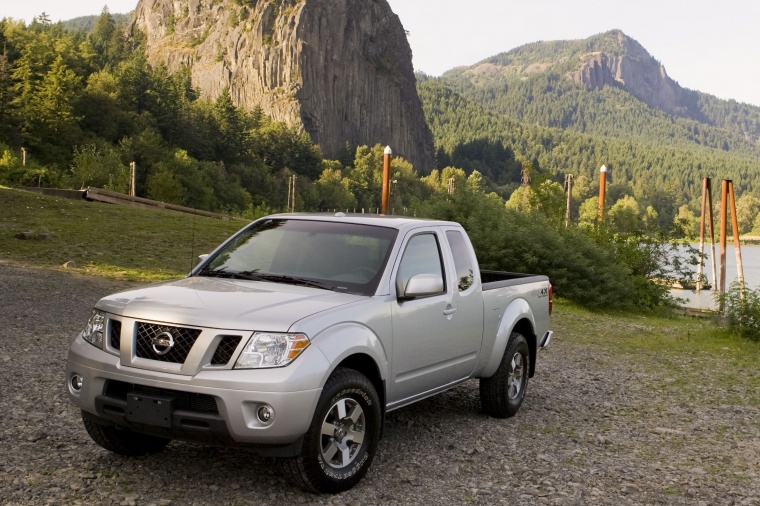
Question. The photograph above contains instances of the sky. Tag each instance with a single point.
(705, 45)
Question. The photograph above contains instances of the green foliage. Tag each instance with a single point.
(164, 186)
(581, 267)
(99, 168)
(742, 308)
(333, 189)
(170, 23)
(86, 23)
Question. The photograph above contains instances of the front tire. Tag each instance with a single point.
(123, 441)
(342, 439)
(502, 394)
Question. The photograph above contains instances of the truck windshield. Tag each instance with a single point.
(344, 257)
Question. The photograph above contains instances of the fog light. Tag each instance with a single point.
(76, 382)
(265, 414)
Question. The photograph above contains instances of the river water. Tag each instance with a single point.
(750, 262)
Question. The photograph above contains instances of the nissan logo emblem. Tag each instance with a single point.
(162, 343)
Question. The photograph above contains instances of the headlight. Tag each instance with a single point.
(266, 349)
(93, 331)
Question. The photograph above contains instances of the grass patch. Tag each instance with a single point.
(697, 358)
(104, 239)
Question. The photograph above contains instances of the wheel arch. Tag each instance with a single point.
(525, 327)
(518, 317)
(366, 365)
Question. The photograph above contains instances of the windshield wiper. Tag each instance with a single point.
(292, 280)
(274, 278)
(218, 273)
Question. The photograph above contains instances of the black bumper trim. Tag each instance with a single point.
(194, 426)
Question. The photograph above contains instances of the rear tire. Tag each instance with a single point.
(342, 439)
(124, 441)
(502, 394)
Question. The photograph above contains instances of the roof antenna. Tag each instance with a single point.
(192, 247)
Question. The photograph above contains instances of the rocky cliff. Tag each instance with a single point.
(340, 69)
(633, 68)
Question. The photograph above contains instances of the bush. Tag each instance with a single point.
(584, 268)
(742, 311)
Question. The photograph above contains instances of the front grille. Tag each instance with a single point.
(182, 400)
(114, 333)
(226, 348)
(184, 339)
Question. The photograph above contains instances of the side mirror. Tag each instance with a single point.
(421, 285)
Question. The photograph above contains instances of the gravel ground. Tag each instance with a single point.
(594, 429)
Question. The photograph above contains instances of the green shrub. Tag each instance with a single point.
(742, 311)
(592, 270)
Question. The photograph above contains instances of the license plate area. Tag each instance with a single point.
(150, 409)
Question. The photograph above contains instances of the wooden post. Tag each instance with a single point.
(386, 178)
(712, 234)
(287, 206)
(723, 226)
(23, 157)
(602, 191)
(132, 170)
(707, 212)
(293, 202)
(569, 187)
(737, 246)
(292, 193)
(702, 235)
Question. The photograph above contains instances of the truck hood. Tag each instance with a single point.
(224, 303)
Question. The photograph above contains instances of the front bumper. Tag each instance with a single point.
(213, 406)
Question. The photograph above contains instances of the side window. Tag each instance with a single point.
(462, 260)
(422, 256)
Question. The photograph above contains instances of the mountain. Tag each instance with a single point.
(607, 85)
(340, 69)
(572, 106)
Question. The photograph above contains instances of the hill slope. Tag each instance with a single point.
(571, 106)
(606, 85)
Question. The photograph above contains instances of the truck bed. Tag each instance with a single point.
(497, 279)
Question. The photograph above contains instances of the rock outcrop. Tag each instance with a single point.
(340, 69)
(634, 69)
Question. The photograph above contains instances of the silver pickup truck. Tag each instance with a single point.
(298, 334)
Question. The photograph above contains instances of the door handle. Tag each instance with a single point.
(449, 311)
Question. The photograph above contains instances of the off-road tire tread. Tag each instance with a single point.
(307, 478)
(494, 398)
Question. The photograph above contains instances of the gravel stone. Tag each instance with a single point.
(594, 429)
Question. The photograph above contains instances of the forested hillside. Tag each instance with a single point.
(551, 104)
(562, 84)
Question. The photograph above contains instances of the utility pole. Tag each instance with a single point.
(132, 170)
(569, 188)
(525, 177)
(386, 178)
(293, 208)
(602, 191)
(292, 193)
